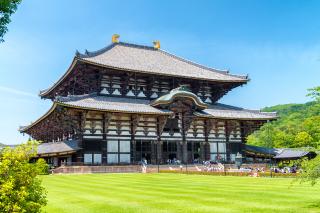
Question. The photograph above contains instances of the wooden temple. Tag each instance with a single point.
(127, 102)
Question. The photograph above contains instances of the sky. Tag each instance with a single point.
(277, 43)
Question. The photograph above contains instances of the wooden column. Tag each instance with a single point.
(202, 151)
(82, 122)
(243, 138)
(159, 154)
(204, 146)
(184, 141)
(133, 142)
(179, 145)
(161, 122)
(104, 129)
(227, 133)
(153, 152)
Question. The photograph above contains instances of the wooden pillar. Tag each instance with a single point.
(179, 156)
(133, 142)
(202, 151)
(82, 122)
(159, 152)
(184, 141)
(227, 133)
(153, 152)
(104, 130)
(243, 139)
(205, 147)
(161, 121)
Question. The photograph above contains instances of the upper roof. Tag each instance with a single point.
(150, 60)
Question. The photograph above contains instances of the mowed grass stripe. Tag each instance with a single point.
(117, 184)
(176, 193)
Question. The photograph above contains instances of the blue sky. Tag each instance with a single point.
(276, 42)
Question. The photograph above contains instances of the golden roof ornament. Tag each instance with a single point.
(156, 44)
(115, 38)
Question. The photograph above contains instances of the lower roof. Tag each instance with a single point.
(139, 106)
(280, 153)
(292, 154)
(62, 147)
(112, 104)
(230, 112)
(260, 150)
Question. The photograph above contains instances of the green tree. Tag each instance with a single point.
(311, 170)
(7, 8)
(314, 93)
(20, 186)
(298, 125)
(304, 139)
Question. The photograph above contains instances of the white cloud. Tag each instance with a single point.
(17, 92)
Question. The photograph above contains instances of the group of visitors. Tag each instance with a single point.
(292, 169)
(210, 166)
(173, 161)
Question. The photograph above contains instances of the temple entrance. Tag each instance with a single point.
(196, 158)
(172, 156)
(143, 151)
(194, 152)
(146, 156)
(169, 149)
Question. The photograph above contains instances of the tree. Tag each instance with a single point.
(311, 170)
(314, 93)
(7, 8)
(20, 186)
(303, 139)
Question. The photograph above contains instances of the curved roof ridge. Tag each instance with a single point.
(89, 54)
(193, 63)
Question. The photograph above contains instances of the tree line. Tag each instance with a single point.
(298, 125)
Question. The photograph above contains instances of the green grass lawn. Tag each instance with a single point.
(177, 193)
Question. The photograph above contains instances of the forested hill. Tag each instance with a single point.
(298, 126)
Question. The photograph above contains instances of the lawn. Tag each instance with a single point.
(177, 193)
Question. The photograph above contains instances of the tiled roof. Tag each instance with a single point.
(231, 112)
(114, 104)
(280, 153)
(291, 153)
(58, 147)
(147, 59)
(261, 150)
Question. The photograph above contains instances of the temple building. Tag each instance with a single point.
(127, 102)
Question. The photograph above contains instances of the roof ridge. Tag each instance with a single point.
(193, 63)
(89, 54)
